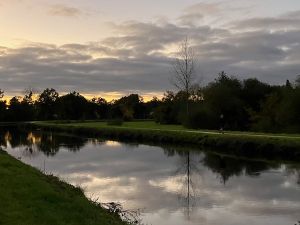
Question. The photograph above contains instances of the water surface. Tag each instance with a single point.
(171, 186)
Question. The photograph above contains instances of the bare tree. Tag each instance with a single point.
(184, 70)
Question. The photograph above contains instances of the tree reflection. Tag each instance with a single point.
(16, 138)
(226, 167)
(51, 143)
(188, 173)
(191, 164)
(35, 141)
(294, 170)
(188, 192)
(3, 138)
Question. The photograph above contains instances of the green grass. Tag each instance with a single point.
(241, 144)
(28, 197)
(139, 125)
(150, 125)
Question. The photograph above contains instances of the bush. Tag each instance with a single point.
(202, 118)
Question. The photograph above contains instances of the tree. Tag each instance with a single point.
(131, 107)
(15, 109)
(267, 119)
(2, 106)
(21, 109)
(151, 107)
(46, 103)
(223, 96)
(72, 106)
(28, 105)
(184, 71)
(254, 92)
(100, 108)
(167, 111)
(298, 81)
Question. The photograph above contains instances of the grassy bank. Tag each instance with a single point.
(29, 197)
(246, 144)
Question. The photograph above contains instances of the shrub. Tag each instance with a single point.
(202, 118)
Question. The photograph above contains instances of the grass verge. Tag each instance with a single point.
(29, 197)
(245, 144)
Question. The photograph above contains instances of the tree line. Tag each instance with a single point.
(243, 105)
(240, 104)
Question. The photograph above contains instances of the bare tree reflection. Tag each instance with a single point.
(189, 179)
(189, 172)
(294, 170)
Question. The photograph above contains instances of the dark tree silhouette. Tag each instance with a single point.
(3, 106)
(72, 106)
(46, 104)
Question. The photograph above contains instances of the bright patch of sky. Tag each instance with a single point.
(80, 21)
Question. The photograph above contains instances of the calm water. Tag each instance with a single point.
(170, 186)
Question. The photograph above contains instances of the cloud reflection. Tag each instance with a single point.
(222, 190)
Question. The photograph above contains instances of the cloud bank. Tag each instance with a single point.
(138, 57)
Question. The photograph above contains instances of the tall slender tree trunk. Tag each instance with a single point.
(189, 183)
(187, 107)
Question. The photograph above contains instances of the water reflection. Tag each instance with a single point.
(188, 172)
(48, 143)
(226, 167)
(172, 185)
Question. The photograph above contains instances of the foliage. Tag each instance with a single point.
(129, 216)
(46, 104)
(100, 108)
(226, 102)
(3, 106)
(242, 105)
(130, 107)
(72, 106)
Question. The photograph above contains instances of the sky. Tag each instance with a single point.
(113, 48)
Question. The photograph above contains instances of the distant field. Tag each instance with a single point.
(28, 197)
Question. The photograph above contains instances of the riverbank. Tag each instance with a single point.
(29, 197)
(245, 144)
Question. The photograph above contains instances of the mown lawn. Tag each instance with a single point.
(28, 197)
(134, 124)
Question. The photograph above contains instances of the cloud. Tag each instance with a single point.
(130, 175)
(213, 13)
(5, 3)
(138, 57)
(64, 69)
(64, 10)
(144, 38)
(286, 21)
(195, 13)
